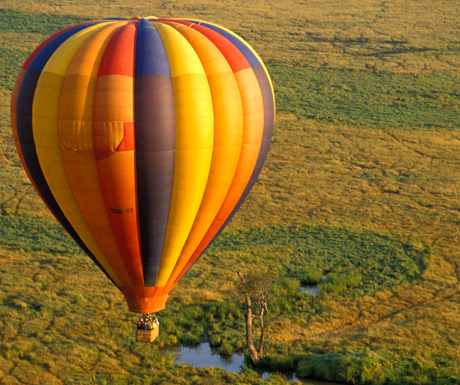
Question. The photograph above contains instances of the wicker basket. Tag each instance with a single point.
(147, 335)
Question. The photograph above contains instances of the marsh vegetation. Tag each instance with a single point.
(362, 178)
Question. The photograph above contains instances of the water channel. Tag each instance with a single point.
(204, 356)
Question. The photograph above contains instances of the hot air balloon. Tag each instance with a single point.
(143, 137)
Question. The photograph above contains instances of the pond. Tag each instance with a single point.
(313, 288)
(203, 356)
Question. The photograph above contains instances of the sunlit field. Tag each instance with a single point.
(362, 180)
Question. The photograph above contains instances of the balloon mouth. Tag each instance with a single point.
(146, 305)
(142, 304)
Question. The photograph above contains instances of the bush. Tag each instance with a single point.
(170, 340)
(215, 341)
(312, 276)
(355, 367)
(240, 345)
(338, 282)
(226, 349)
(454, 380)
(282, 305)
(190, 338)
(286, 287)
(283, 363)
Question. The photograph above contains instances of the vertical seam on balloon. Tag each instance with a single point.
(129, 268)
(136, 24)
(266, 129)
(79, 241)
(82, 213)
(42, 158)
(171, 225)
(150, 265)
(48, 198)
(197, 254)
(179, 27)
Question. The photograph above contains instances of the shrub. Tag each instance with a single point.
(215, 341)
(356, 367)
(170, 340)
(282, 363)
(190, 338)
(286, 287)
(312, 276)
(226, 349)
(338, 282)
(240, 345)
(454, 380)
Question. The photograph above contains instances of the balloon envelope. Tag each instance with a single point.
(143, 137)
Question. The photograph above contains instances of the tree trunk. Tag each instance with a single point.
(253, 354)
(262, 331)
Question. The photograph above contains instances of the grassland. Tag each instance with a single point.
(362, 178)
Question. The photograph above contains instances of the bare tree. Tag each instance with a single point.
(254, 290)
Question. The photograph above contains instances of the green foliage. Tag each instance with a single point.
(368, 98)
(453, 380)
(226, 349)
(286, 287)
(24, 24)
(215, 341)
(35, 23)
(362, 260)
(353, 367)
(190, 338)
(281, 363)
(341, 282)
(312, 276)
(10, 61)
(35, 234)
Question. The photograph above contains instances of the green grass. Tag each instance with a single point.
(35, 23)
(22, 28)
(367, 98)
(10, 61)
(375, 261)
(35, 234)
(362, 262)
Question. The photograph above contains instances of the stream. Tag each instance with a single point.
(203, 356)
